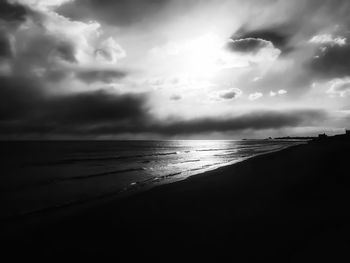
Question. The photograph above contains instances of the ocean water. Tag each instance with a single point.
(38, 176)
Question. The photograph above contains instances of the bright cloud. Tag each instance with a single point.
(279, 92)
(109, 51)
(193, 60)
(282, 91)
(207, 54)
(328, 39)
(255, 96)
(41, 4)
(339, 87)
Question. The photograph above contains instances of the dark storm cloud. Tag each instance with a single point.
(45, 49)
(12, 12)
(25, 107)
(120, 12)
(94, 108)
(18, 98)
(289, 27)
(88, 76)
(277, 36)
(5, 45)
(288, 24)
(332, 61)
(247, 45)
(230, 94)
(65, 51)
(255, 120)
(57, 75)
(28, 103)
(106, 76)
(261, 120)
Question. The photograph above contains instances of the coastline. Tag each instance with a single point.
(131, 189)
(271, 206)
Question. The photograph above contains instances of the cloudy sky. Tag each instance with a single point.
(148, 69)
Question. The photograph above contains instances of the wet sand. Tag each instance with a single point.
(286, 206)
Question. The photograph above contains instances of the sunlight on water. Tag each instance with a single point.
(81, 171)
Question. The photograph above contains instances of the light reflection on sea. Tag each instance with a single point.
(56, 174)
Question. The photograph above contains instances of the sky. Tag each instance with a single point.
(173, 69)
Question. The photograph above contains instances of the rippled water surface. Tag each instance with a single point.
(41, 175)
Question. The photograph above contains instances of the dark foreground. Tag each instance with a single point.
(288, 206)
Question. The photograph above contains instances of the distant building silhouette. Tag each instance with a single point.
(339, 137)
(322, 136)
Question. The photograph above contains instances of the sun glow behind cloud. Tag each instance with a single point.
(203, 71)
(206, 55)
(198, 57)
(202, 59)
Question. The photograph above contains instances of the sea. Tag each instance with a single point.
(43, 175)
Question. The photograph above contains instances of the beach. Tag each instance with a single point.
(175, 131)
(285, 206)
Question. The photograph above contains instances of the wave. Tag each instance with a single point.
(130, 187)
(115, 193)
(241, 151)
(190, 161)
(218, 149)
(151, 180)
(99, 174)
(93, 159)
(210, 150)
(74, 178)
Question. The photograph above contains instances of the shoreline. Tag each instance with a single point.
(281, 206)
(132, 189)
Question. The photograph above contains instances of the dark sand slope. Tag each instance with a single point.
(288, 206)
